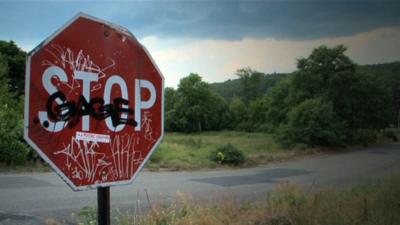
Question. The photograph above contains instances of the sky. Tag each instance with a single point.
(215, 38)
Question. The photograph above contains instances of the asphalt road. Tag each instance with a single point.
(32, 198)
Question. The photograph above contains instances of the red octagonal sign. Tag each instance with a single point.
(93, 103)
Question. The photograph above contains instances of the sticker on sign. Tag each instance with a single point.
(102, 138)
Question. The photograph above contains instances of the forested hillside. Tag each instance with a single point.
(328, 101)
(233, 88)
(389, 70)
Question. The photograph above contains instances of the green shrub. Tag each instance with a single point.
(227, 154)
(312, 123)
(390, 134)
(13, 150)
(366, 136)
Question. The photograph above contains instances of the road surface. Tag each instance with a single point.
(32, 198)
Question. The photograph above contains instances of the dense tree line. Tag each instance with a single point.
(13, 149)
(14, 59)
(193, 107)
(328, 101)
(233, 88)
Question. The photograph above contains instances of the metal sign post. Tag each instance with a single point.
(103, 206)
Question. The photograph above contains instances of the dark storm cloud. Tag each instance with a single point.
(228, 20)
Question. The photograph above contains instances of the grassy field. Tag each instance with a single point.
(372, 203)
(26, 168)
(192, 151)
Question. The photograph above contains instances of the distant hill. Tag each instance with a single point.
(389, 70)
(231, 88)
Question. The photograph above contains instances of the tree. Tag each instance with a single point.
(230, 89)
(327, 71)
(13, 149)
(362, 100)
(257, 114)
(170, 100)
(359, 102)
(251, 83)
(387, 73)
(277, 105)
(368, 103)
(239, 115)
(197, 108)
(15, 59)
(312, 123)
(6, 96)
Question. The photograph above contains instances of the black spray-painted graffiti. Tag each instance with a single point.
(71, 112)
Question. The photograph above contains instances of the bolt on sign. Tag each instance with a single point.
(94, 103)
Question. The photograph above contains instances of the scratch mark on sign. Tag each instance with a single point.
(146, 123)
(124, 156)
(65, 57)
(86, 162)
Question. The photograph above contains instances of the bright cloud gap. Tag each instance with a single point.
(217, 60)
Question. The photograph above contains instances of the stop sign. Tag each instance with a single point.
(93, 103)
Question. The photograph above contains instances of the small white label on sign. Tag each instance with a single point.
(81, 136)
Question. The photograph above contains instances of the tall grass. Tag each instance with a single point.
(373, 203)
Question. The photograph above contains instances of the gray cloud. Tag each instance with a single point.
(225, 20)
